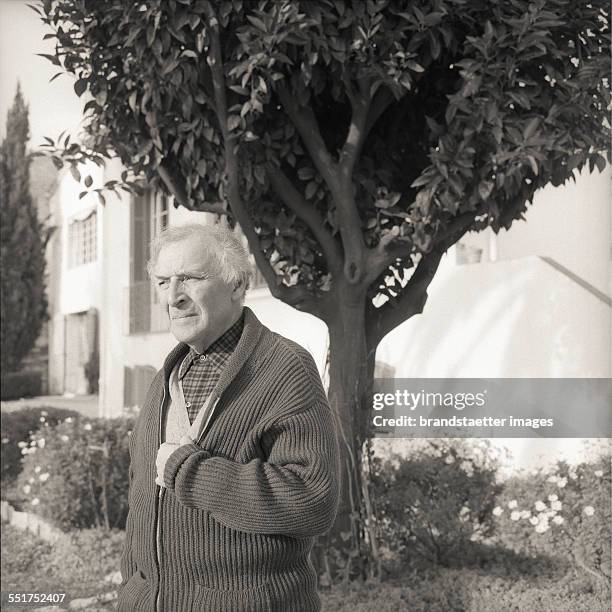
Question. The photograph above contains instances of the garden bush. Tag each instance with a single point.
(563, 510)
(16, 427)
(76, 473)
(16, 385)
(78, 563)
(432, 503)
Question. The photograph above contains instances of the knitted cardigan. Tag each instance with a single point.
(233, 529)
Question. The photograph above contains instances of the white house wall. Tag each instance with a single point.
(519, 318)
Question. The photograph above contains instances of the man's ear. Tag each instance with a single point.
(238, 292)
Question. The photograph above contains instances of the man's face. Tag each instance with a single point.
(201, 307)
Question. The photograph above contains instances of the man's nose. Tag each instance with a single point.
(176, 295)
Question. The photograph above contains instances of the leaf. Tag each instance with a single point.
(88, 181)
(415, 66)
(80, 86)
(76, 175)
(202, 167)
(233, 122)
(52, 58)
(533, 163)
(311, 189)
(132, 100)
(484, 189)
(55, 76)
(531, 127)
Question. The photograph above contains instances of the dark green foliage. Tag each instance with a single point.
(16, 427)
(434, 503)
(23, 303)
(16, 385)
(431, 111)
(76, 473)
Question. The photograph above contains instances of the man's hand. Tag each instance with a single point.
(164, 451)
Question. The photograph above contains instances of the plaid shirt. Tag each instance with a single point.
(199, 373)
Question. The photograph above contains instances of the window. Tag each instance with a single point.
(149, 217)
(82, 240)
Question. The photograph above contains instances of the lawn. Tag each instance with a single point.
(78, 565)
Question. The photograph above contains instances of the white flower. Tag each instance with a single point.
(31, 480)
(35, 501)
(467, 467)
(434, 532)
(465, 510)
(64, 438)
(37, 469)
(598, 473)
(5, 440)
(542, 527)
(515, 515)
(87, 427)
(68, 420)
(525, 514)
(589, 510)
(22, 444)
(552, 497)
(42, 419)
(44, 477)
(533, 520)
(552, 479)
(449, 459)
(27, 489)
(558, 520)
(562, 482)
(540, 505)
(497, 511)
(512, 504)
(556, 505)
(572, 475)
(41, 443)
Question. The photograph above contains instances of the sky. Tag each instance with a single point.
(53, 106)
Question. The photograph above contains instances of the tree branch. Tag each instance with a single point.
(360, 104)
(297, 296)
(306, 124)
(341, 190)
(181, 197)
(411, 301)
(384, 254)
(292, 198)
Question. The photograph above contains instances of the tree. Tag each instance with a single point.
(353, 142)
(23, 302)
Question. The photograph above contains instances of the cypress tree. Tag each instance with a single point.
(23, 302)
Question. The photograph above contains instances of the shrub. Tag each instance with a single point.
(16, 428)
(87, 555)
(564, 510)
(21, 384)
(77, 563)
(432, 503)
(76, 474)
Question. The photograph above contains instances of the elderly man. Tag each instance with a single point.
(234, 459)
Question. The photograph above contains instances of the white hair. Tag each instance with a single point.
(226, 256)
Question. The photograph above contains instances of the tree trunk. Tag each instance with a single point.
(350, 383)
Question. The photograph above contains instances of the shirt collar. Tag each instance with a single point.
(219, 351)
